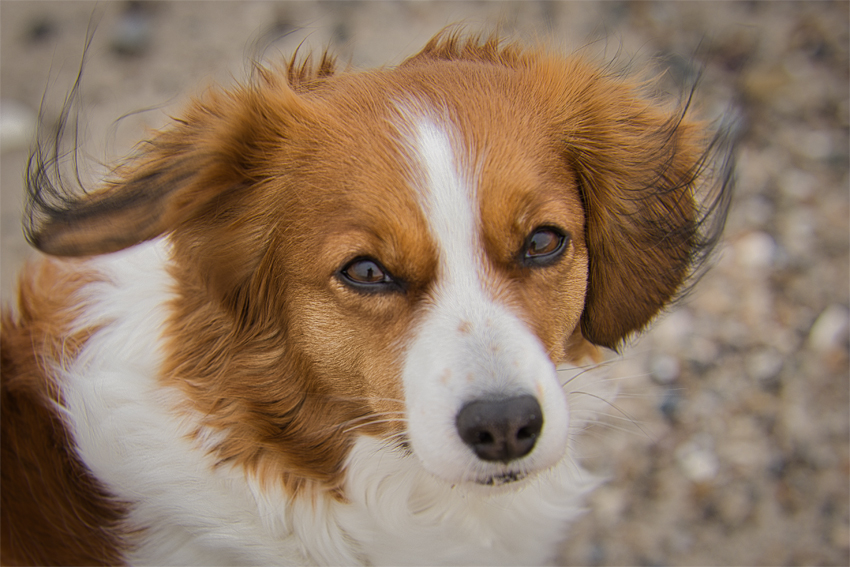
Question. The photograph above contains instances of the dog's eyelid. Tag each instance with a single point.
(544, 246)
(366, 274)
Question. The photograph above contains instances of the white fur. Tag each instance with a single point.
(403, 515)
(468, 346)
(133, 434)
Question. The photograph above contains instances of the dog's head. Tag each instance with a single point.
(406, 252)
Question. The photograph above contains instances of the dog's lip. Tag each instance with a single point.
(502, 479)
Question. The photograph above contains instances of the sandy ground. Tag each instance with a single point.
(729, 444)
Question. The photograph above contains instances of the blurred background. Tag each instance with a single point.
(729, 441)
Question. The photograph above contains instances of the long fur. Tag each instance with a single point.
(202, 381)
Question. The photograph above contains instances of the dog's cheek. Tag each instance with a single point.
(551, 304)
(355, 353)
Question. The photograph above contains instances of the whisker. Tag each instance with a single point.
(589, 365)
(584, 370)
(365, 399)
(588, 431)
(371, 415)
(368, 423)
(367, 418)
(400, 435)
(614, 379)
(630, 395)
(602, 414)
(616, 407)
(397, 440)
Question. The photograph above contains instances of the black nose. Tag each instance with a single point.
(501, 430)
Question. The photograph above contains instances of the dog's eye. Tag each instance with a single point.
(366, 274)
(544, 246)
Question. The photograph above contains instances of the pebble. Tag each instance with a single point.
(673, 330)
(735, 505)
(670, 404)
(664, 369)
(797, 184)
(41, 29)
(697, 459)
(841, 535)
(17, 125)
(609, 502)
(764, 366)
(743, 445)
(758, 210)
(765, 85)
(133, 32)
(815, 144)
(798, 233)
(704, 351)
(830, 329)
(756, 250)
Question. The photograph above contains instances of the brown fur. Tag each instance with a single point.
(268, 190)
(52, 510)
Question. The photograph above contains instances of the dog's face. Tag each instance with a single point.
(405, 253)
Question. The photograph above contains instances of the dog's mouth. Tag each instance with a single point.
(492, 481)
(503, 479)
(496, 480)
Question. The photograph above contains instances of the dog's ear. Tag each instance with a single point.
(202, 156)
(197, 179)
(638, 168)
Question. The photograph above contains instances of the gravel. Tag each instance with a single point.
(729, 442)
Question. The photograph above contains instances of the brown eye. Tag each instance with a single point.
(367, 275)
(544, 246)
(365, 271)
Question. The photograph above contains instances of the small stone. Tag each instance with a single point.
(756, 250)
(830, 329)
(815, 144)
(764, 366)
(765, 85)
(798, 184)
(133, 31)
(704, 351)
(17, 125)
(41, 30)
(735, 505)
(840, 536)
(697, 460)
(759, 210)
(673, 329)
(670, 404)
(664, 369)
(798, 233)
(608, 504)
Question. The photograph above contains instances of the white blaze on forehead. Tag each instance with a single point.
(447, 196)
(467, 346)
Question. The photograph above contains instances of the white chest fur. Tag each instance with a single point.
(191, 512)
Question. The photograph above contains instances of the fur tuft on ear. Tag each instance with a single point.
(204, 155)
(196, 180)
(656, 189)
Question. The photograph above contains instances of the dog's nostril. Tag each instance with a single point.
(526, 433)
(484, 437)
(501, 430)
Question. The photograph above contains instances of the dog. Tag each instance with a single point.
(319, 318)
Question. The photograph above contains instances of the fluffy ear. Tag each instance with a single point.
(202, 156)
(640, 170)
(197, 179)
